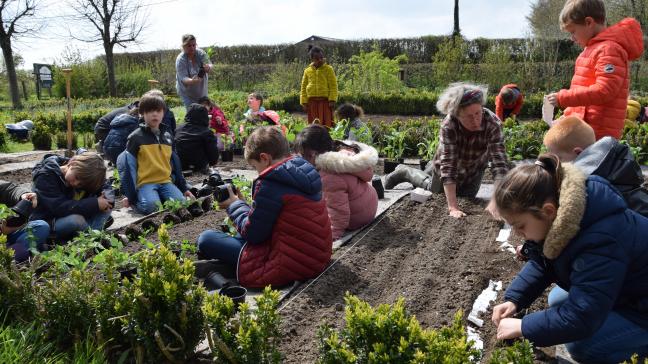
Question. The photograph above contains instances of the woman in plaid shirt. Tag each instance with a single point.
(470, 137)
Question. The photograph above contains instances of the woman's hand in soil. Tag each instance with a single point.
(509, 328)
(456, 213)
(503, 310)
(492, 209)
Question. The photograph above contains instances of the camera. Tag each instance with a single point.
(201, 72)
(221, 193)
(218, 186)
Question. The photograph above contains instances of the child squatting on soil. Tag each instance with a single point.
(70, 194)
(346, 169)
(599, 89)
(149, 169)
(286, 234)
(470, 137)
(508, 102)
(592, 246)
(573, 140)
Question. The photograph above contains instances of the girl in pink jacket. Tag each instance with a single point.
(346, 169)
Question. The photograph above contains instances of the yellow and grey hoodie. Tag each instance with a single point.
(151, 159)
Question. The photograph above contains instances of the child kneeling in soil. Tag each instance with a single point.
(573, 140)
(196, 145)
(592, 246)
(149, 169)
(346, 169)
(70, 194)
(286, 234)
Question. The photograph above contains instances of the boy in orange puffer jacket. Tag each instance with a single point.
(599, 89)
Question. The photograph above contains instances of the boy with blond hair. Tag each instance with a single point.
(599, 89)
(573, 140)
(70, 194)
(285, 234)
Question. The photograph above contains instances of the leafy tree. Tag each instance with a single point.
(371, 71)
(449, 61)
(14, 22)
(111, 22)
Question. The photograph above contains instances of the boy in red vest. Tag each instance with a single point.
(285, 235)
(599, 89)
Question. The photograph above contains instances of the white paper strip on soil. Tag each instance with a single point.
(480, 306)
(503, 237)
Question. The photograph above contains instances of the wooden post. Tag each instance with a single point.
(153, 84)
(67, 73)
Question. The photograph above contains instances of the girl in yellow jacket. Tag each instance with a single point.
(319, 89)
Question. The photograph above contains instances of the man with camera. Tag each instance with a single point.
(192, 69)
(21, 237)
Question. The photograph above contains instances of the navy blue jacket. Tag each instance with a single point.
(603, 265)
(55, 198)
(120, 129)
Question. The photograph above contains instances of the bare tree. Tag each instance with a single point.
(111, 22)
(14, 21)
(543, 19)
(456, 31)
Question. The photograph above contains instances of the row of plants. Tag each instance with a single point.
(86, 311)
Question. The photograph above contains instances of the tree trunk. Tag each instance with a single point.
(456, 31)
(110, 65)
(7, 52)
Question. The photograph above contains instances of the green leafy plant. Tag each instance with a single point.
(524, 140)
(173, 205)
(41, 136)
(65, 306)
(77, 254)
(164, 319)
(387, 334)
(521, 352)
(395, 147)
(427, 149)
(372, 71)
(17, 302)
(250, 337)
(226, 140)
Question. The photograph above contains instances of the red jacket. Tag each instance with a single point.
(287, 228)
(599, 89)
(499, 103)
(223, 126)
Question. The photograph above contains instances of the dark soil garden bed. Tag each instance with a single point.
(438, 263)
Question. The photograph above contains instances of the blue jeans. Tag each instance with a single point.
(616, 340)
(19, 239)
(150, 194)
(219, 245)
(66, 227)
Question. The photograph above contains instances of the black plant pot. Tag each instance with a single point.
(194, 209)
(184, 215)
(423, 163)
(377, 184)
(238, 151)
(133, 232)
(227, 155)
(22, 209)
(206, 203)
(227, 288)
(390, 165)
(150, 224)
(170, 218)
(127, 272)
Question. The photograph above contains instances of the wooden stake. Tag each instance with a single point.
(153, 84)
(67, 73)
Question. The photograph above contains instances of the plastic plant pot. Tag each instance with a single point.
(227, 155)
(207, 203)
(184, 215)
(133, 232)
(195, 209)
(150, 224)
(22, 209)
(226, 287)
(170, 218)
(390, 165)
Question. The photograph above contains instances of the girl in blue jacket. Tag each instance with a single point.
(592, 246)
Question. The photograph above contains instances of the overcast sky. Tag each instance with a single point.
(232, 22)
